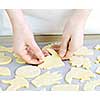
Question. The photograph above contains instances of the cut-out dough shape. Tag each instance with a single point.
(2, 54)
(6, 49)
(51, 61)
(15, 55)
(16, 83)
(84, 51)
(56, 44)
(91, 85)
(65, 87)
(47, 79)
(19, 60)
(97, 47)
(28, 71)
(79, 73)
(98, 70)
(4, 71)
(5, 60)
(77, 61)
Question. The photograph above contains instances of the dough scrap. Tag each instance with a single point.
(84, 51)
(79, 73)
(5, 60)
(6, 49)
(47, 79)
(65, 87)
(51, 61)
(90, 85)
(98, 70)
(28, 71)
(77, 61)
(16, 83)
(4, 71)
(97, 47)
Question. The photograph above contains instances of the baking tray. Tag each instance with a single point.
(42, 40)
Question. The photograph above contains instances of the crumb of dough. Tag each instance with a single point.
(98, 70)
(16, 83)
(51, 61)
(83, 51)
(28, 71)
(91, 85)
(79, 61)
(47, 79)
(97, 47)
(79, 73)
(65, 87)
(4, 71)
(5, 60)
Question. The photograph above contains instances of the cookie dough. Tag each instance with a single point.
(84, 51)
(91, 85)
(47, 79)
(16, 83)
(65, 87)
(1, 54)
(98, 70)
(51, 61)
(6, 49)
(97, 47)
(28, 71)
(19, 60)
(77, 61)
(4, 71)
(5, 60)
(79, 73)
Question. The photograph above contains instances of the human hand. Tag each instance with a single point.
(25, 46)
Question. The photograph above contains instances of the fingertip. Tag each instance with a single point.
(62, 53)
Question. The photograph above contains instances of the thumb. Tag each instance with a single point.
(63, 47)
(36, 50)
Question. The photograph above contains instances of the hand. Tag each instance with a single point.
(26, 47)
(23, 41)
(72, 40)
